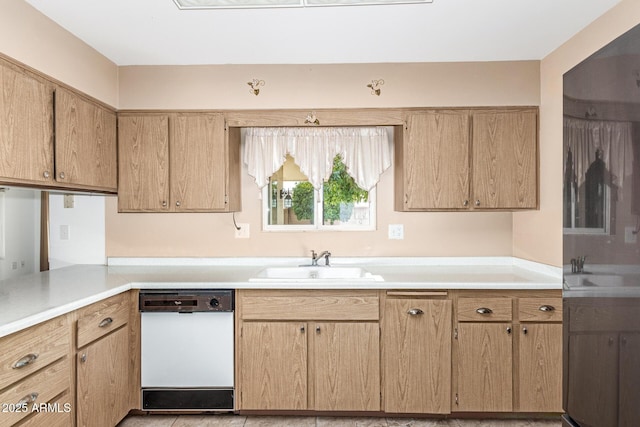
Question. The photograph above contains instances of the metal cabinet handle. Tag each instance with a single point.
(61, 175)
(524, 330)
(29, 398)
(415, 312)
(83, 358)
(477, 202)
(509, 330)
(105, 322)
(25, 361)
(164, 203)
(465, 203)
(178, 204)
(317, 329)
(46, 174)
(547, 308)
(302, 329)
(484, 310)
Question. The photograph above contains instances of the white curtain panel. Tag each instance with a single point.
(366, 151)
(584, 137)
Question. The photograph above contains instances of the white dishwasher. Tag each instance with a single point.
(187, 341)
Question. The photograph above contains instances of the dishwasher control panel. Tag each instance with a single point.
(187, 301)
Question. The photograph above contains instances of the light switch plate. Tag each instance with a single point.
(69, 201)
(396, 232)
(65, 232)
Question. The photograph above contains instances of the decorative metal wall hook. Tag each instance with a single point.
(375, 86)
(312, 119)
(255, 85)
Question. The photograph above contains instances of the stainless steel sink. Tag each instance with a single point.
(314, 274)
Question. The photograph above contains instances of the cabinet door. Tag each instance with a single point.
(103, 381)
(593, 398)
(485, 367)
(436, 161)
(505, 159)
(347, 366)
(85, 142)
(143, 163)
(26, 128)
(417, 356)
(540, 370)
(273, 365)
(629, 410)
(198, 162)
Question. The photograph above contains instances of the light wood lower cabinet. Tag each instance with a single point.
(417, 356)
(540, 372)
(290, 360)
(485, 361)
(509, 352)
(346, 366)
(103, 381)
(274, 365)
(103, 362)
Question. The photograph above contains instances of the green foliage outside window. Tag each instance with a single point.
(340, 192)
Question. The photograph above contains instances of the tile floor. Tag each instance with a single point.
(277, 421)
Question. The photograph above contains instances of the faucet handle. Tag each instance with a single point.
(314, 255)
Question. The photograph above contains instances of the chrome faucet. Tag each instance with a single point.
(577, 264)
(315, 257)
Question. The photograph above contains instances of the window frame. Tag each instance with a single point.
(318, 221)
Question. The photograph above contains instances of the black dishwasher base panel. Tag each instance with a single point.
(196, 399)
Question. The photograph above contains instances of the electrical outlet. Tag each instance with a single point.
(396, 232)
(69, 201)
(65, 232)
(629, 235)
(243, 233)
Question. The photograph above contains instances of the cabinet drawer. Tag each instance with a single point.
(101, 318)
(484, 310)
(32, 349)
(540, 309)
(311, 307)
(39, 388)
(58, 414)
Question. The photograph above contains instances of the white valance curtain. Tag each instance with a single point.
(584, 137)
(366, 152)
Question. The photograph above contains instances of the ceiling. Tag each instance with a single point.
(156, 32)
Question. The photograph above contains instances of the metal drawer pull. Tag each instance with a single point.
(508, 330)
(25, 361)
(29, 398)
(484, 310)
(317, 329)
(105, 322)
(547, 308)
(415, 312)
(525, 331)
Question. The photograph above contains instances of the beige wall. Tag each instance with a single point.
(308, 87)
(538, 235)
(33, 39)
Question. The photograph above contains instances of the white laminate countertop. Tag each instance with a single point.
(35, 298)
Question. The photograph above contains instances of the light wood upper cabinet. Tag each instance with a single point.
(143, 166)
(347, 366)
(274, 365)
(432, 161)
(180, 162)
(467, 159)
(26, 127)
(85, 146)
(417, 356)
(198, 169)
(505, 164)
